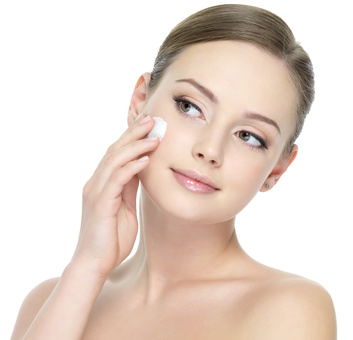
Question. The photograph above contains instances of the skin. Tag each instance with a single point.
(190, 278)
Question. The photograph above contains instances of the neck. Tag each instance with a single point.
(172, 250)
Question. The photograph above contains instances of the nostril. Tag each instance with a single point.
(204, 157)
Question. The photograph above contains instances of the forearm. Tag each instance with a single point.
(65, 313)
(108, 231)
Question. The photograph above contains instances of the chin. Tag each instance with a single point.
(184, 207)
(164, 197)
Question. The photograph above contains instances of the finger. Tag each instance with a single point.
(129, 193)
(123, 156)
(138, 130)
(116, 183)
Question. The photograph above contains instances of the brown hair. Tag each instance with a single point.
(249, 24)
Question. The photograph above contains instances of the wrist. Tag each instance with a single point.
(81, 271)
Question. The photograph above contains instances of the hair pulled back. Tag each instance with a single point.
(248, 24)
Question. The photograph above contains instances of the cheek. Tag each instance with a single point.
(169, 150)
(177, 141)
(245, 177)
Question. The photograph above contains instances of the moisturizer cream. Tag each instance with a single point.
(159, 129)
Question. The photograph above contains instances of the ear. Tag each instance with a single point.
(139, 97)
(279, 169)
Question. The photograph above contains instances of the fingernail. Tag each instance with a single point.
(142, 159)
(145, 120)
(134, 120)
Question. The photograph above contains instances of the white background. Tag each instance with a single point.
(67, 71)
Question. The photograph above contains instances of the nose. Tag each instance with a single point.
(209, 149)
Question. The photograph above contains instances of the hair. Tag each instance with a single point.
(247, 24)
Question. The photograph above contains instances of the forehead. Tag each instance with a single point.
(242, 76)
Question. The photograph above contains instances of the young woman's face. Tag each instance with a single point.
(230, 109)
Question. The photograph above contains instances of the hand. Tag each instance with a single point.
(109, 222)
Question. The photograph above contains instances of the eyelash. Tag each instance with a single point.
(181, 100)
(263, 143)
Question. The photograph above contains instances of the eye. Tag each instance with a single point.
(252, 140)
(187, 108)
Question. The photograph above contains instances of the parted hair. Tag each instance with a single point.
(248, 24)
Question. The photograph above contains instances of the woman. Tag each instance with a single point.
(234, 88)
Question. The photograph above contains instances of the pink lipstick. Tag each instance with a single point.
(194, 181)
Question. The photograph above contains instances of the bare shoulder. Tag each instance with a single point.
(293, 308)
(31, 306)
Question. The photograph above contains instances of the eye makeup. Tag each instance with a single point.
(188, 109)
(185, 106)
(258, 142)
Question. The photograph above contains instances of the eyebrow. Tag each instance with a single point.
(256, 116)
(208, 93)
(211, 96)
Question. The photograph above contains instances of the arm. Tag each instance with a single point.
(63, 303)
(60, 309)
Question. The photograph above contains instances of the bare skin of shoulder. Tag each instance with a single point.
(224, 308)
(266, 304)
(190, 278)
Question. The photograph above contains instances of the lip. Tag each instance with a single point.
(194, 181)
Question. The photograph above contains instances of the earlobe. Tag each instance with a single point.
(279, 169)
(139, 97)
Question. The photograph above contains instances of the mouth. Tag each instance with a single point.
(194, 181)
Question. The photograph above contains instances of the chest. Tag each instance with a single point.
(152, 325)
(182, 316)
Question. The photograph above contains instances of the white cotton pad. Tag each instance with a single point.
(159, 129)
